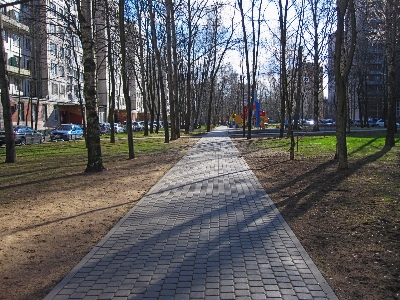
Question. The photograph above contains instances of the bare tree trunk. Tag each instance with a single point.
(95, 160)
(283, 11)
(175, 75)
(159, 67)
(246, 50)
(390, 39)
(171, 82)
(111, 100)
(189, 71)
(298, 88)
(143, 71)
(11, 156)
(342, 66)
(125, 87)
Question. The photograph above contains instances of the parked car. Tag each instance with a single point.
(327, 122)
(308, 122)
(66, 132)
(380, 123)
(136, 126)
(372, 122)
(118, 128)
(105, 128)
(23, 135)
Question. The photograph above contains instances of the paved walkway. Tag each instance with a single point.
(206, 230)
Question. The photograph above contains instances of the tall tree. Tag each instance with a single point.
(111, 70)
(171, 70)
(283, 25)
(95, 160)
(11, 156)
(124, 74)
(216, 57)
(391, 27)
(251, 72)
(321, 12)
(343, 58)
(159, 67)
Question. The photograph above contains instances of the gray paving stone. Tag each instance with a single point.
(206, 230)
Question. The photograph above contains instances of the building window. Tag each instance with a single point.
(15, 39)
(54, 88)
(53, 69)
(61, 52)
(28, 64)
(76, 91)
(13, 14)
(5, 36)
(17, 84)
(28, 44)
(56, 113)
(21, 112)
(53, 9)
(62, 90)
(44, 112)
(14, 61)
(52, 28)
(34, 112)
(62, 71)
(53, 49)
(60, 13)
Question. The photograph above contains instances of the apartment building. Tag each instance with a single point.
(44, 63)
(18, 45)
(368, 78)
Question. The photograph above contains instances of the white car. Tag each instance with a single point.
(381, 123)
(308, 122)
(118, 128)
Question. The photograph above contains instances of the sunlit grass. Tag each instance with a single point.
(43, 161)
(358, 144)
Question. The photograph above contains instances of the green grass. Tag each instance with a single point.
(43, 161)
(358, 144)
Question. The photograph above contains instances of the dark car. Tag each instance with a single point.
(24, 135)
(105, 128)
(66, 132)
(136, 126)
(372, 122)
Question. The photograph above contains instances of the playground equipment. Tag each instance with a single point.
(259, 117)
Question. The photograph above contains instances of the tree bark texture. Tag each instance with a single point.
(95, 160)
(124, 72)
(11, 156)
(159, 67)
(390, 41)
(342, 65)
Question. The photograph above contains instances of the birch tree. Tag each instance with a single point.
(95, 160)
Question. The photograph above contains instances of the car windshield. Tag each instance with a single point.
(64, 127)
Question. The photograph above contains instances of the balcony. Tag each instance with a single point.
(18, 72)
(10, 23)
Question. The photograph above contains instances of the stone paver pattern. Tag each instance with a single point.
(206, 230)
